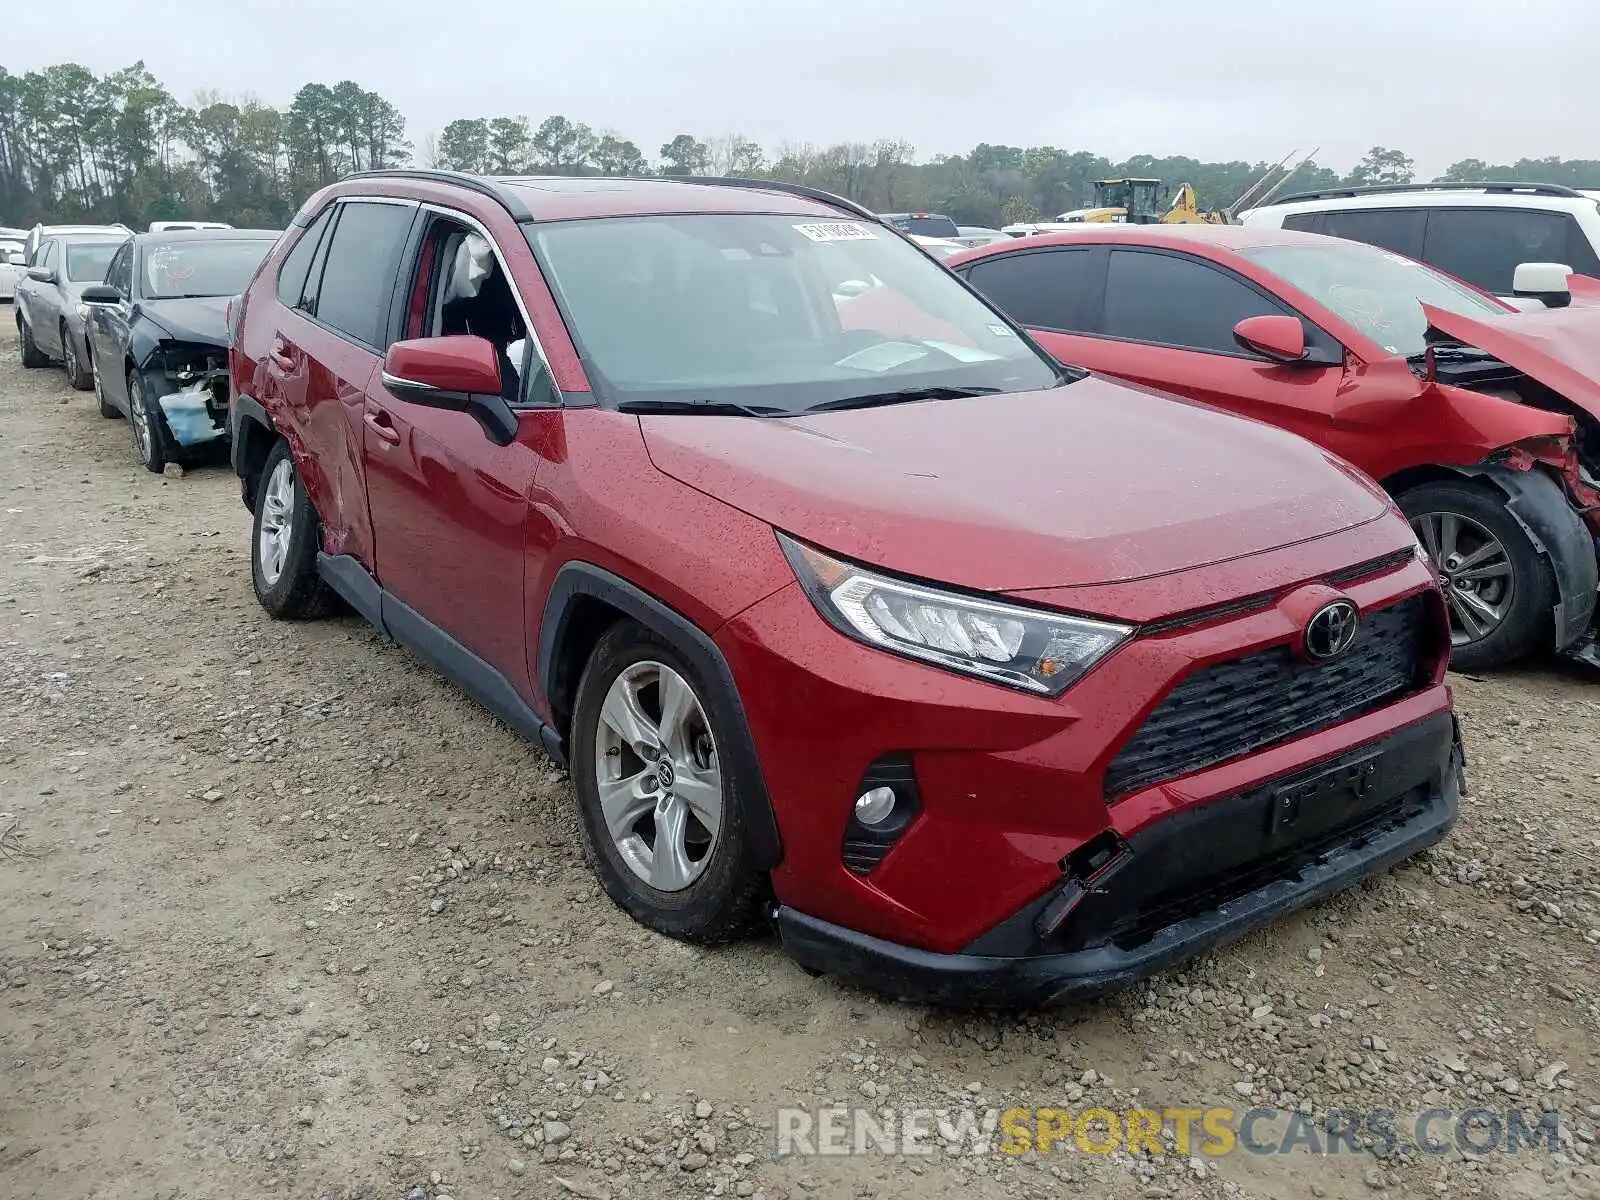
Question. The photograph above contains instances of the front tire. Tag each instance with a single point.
(151, 441)
(79, 376)
(661, 802)
(1499, 588)
(284, 538)
(32, 356)
(106, 408)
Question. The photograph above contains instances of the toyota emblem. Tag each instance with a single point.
(1331, 631)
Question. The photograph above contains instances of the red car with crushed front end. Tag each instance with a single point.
(982, 679)
(1483, 422)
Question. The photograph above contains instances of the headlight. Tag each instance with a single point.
(1031, 649)
(83, 312)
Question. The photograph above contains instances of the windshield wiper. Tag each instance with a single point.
(901, 396)
(704, 408)
(1449, 351)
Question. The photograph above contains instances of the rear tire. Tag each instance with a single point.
(1500, 590)
(32, 356)
(79, 376)
(284, 539)
(708, 889)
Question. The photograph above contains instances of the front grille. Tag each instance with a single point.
(1235, 708)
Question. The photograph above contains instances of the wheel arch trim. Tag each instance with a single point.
(577, 581)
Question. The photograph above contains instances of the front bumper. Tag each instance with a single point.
(1190, 882)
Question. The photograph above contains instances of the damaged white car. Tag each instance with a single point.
(158, 336)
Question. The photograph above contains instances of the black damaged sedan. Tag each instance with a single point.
(158, 336)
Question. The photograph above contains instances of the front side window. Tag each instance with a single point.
(1170, 300)
(782, 312)
(87, 261)
(1377, 291)
(190, 270)
(119, 274)
(1483, 246)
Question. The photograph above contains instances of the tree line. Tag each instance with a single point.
(75, 146)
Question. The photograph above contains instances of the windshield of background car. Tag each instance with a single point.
(928, 226)
(87, 261)
(1379, 292)
(201, 268)
(779, 311)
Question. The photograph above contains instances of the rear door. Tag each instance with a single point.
(328, 348)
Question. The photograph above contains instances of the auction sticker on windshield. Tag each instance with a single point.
(838, 231)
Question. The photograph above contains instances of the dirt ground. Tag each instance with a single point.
(283, 915)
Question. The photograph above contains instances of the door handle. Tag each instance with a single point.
(379, 422)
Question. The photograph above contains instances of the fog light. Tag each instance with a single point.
(873, 807)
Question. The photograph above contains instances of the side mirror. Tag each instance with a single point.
(1280, 338)
(459, 373)
(1546, 282)
(42, 274)
(17, 258)
(100, 293)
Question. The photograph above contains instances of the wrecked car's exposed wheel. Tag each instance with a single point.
(151, 441)
(32, 356)
(78, 376)
(660, 798)
(284, 542)
(106, 408)
(1499, 589)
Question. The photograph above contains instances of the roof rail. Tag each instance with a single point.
(779, 185)
(506, 197)
(1493, 186)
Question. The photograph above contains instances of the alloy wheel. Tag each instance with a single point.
(277, 522)
(139, 418)
(658, 776)
(69, 354)
(1475, 571)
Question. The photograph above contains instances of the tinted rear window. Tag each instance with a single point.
(1045, 289)
(1397, 229)
(358, 280)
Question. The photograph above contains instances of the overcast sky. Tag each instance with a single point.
(1251, 79)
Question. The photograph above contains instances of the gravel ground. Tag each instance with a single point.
(281, 914)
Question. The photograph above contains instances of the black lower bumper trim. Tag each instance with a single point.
(965, 979)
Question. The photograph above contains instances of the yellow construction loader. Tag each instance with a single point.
(1139, 201)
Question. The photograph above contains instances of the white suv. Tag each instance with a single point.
(1479, 232)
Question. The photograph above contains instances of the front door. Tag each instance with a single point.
(449, 506)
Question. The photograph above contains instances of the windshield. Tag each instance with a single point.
(87, 261)
(201, 268)
(1379, 292)
(772, 312)
(926, 226)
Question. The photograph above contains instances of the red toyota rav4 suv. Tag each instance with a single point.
(984, 679)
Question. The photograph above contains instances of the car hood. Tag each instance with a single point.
(1559, 347)
(203, 319)
(1092, 482)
